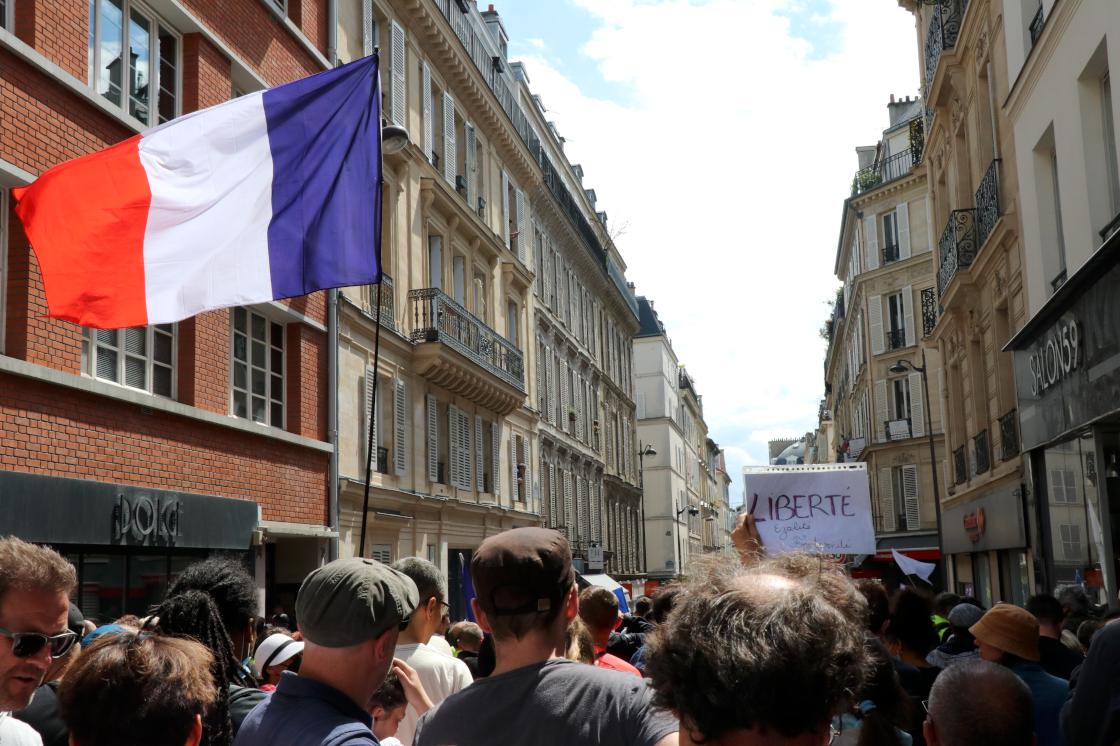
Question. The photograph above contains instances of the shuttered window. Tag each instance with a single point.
(398, 105)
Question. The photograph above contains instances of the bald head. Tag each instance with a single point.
(977, 703)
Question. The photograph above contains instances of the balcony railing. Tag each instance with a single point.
(929, 311)
(960, 466)
(898, 429)
(388, 302)
(438, 318)
(896, 339)
(1037, 24)
(987, 204)
(917, 138)
(982, 451)
(1009, 435)
(944, 27)
(887, 170)
(957, 246)
(890, 253)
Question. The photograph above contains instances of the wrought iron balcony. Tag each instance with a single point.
(929, 311)
(987, 204)
(388, 302)
(896, 339)
(1037, 24)
(890, 253)
(982, 452)
(957, 246)
(918, 137)
(437, 318)
(884, 171)
(960, 466)
(898, 429)
(944, 27)
(1009, 435)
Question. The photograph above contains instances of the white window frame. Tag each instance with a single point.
(249, 314)
(90, 344)
(154, 56)
(7, 19)
(1068, 491)
(1070, 536)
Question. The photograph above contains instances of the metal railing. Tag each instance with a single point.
(388, 302)
(929, 311)
(960, 466)
(917, 137)
(1009, 435)
(884, 171)
(898, 429)
(896, 339)
(957, 246)
(987, 204)
(1037, 24)
(982, 452)
(944, 27)
(436, 317)
(890, 253)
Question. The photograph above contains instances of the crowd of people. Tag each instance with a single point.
(748, 650)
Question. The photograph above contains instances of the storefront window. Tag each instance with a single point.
(102, 587)
(1074, 508)
(111, 585)
(981, 572)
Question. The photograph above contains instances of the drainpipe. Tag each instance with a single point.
(332, 417)
(332, 32)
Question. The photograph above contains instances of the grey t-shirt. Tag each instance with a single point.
(556, 703)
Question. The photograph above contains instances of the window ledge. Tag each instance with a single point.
(281, 16)
(25, 369)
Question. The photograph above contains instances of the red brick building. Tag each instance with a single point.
(209, 434)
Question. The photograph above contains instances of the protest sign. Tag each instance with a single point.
(817, 509)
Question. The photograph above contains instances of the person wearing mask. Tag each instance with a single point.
(275, 655)
(1008, 635)
(441, 675)
(470, 642)
(35, 587)
(978, 703)
(1055, 657)
(910, 637)
(138, 689)
(960, 646)
(598, 608)
(526, 599)
(350, 612)
(43, 713)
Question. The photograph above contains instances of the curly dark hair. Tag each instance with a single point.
(226, 581)
(911, 623)
(753, 648)
(390, 694)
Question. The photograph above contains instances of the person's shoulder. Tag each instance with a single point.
(15, 732)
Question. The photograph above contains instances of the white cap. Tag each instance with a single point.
(274, 650)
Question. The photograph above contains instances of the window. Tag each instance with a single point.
(511, 322)
(1070, 534)
(479, 308)
(148, 88)
(901, 387)
(435, 262)
(890, 237)
(896, 334)
(1063, 486)
(5, 12)
(142, 357)
(1110, 144)
(382, 553)
(258, 368)
(459, 279)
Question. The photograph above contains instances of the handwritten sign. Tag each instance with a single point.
(816, 509)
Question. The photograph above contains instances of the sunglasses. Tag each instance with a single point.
(27, 644)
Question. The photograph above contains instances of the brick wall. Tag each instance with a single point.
(206, 74)
(57, 30)
(45, 429)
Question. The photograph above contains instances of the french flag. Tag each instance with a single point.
(267, 196)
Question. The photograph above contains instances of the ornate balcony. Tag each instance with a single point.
(890, 253)
(930, 311)
(960, 466)
(957, 246)
(987, 204)
(898, 429)
(982, 451)
(944, 27)
(458, 351)
(918, 137)
(896, 339)
(884, 171)
(1009, 435)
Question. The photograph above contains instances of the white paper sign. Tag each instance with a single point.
(816, 509)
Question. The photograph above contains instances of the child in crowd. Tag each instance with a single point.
(387, 707)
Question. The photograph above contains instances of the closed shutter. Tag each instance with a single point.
(513, 486)
(400, 417)
(553, 508)
(871, 241)
(479, 461)
(875, 321)
(525, 458)
(369, 28)
(546, 268)
(465, 451)
(565, 401)
(578, 394)
(908, 314)
(902, 216)
(917, 406)
(433, 438)
(496, 456)
(881, 414)
(426, 106)
(569, 508)
(581, 514)
(450, 156)
(519, 221)
(505, 209)
(469, 157)
(910, 497)
(453, 446)
(398, 108)
(542, 395)
(371, 412)
(886, 500)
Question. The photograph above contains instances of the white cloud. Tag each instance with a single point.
(728, 164)
(535, 43)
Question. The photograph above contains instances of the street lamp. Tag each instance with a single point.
(394, 138)
(643, 451)
(902, 366)
(677, 522)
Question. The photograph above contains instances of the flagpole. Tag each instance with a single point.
(372, 414)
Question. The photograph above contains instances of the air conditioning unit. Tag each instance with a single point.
(461, 184)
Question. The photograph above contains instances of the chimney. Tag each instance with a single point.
(892, 95)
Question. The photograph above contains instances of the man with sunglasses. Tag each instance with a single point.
(441, 674)
(35, 587)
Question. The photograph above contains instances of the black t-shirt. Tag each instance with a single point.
(1056, 658)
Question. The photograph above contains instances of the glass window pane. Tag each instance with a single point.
(239, 347)
(239, 376)
(147, 583)
(106, 364)
(168, 79)
(277, 335)
(277, 361)
(161, 380)
(239, 319)
(259, 411)
(258, 382)
(110, 76)
(277, 415)
(102, 592)
(139, 65)
(135, 340)
(277, 392)
(258, 354)
(162, 353)
(258, 327)
(135, 372)
(240, 405)
(107, 337)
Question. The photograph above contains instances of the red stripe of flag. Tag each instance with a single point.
(92, 213)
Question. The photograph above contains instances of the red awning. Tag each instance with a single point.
(926, 555)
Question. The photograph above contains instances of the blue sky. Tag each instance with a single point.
(720, 138)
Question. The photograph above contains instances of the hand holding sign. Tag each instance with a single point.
(821, 510)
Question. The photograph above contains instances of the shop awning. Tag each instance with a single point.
(605, 581)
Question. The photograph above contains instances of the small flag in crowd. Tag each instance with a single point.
(270, 195)
(911, 566)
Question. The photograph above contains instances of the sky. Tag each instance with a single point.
(719, 137)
